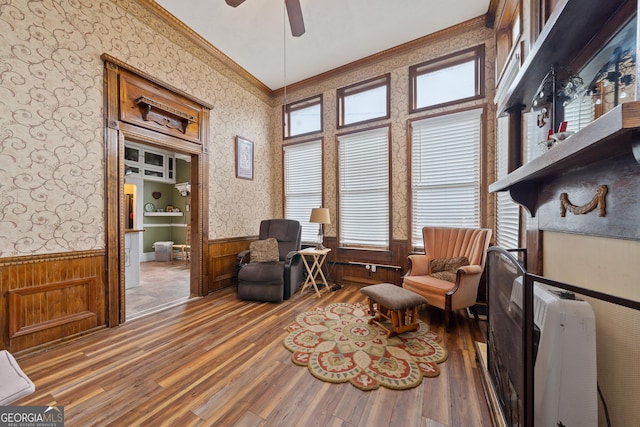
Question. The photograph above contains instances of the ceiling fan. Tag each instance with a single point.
(293, 11)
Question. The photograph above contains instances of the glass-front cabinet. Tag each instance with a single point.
(561, 65)
(605, 82)
(148, 163)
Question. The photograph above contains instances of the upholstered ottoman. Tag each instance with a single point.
(394, 304)
(15, 384)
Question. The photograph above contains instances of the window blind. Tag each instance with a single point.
(445, 172)
(364, 188)
(507, 211)
(303, 185)
(579, 113)
(534, 135)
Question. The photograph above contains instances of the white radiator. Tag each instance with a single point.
(565, 372)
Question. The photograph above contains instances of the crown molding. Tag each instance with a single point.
(183, 30)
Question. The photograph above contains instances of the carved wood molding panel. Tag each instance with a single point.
(36, 309)
(598, 201)
(164, 115)
(616, 203)
(151, 106)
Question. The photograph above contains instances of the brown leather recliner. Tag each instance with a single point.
(273, 281)
(441, 243)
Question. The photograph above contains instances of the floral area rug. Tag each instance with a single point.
(337, 344)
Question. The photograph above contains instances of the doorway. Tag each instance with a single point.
(157, 201)
(143, 110)
(162, 285)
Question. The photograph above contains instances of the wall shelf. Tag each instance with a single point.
(163, 213)
(613, 135)
(569, 29)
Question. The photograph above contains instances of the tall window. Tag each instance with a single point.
(445, 171)
(364, 101)
(508, 32)
(303, 184)
(451, 79)
(302, 117)
(507, 211)
(364, 189)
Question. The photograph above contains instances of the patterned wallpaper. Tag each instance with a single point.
(51, 126)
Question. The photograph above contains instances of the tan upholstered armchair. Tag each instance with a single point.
(455, 285)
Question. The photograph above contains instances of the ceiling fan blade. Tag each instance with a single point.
(295, 17)
(234, 3)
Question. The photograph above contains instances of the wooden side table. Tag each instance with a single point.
(313, 260)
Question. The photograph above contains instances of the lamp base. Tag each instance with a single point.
(320, 246)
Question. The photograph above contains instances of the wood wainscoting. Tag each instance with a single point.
(350, 265)
(223, 254)
(47, 298)
(342, 265)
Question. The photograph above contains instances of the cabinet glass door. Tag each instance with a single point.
(131, 154)
(131, 170)
(153, 159)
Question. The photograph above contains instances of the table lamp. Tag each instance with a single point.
(320, 216)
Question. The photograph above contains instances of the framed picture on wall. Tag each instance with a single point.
(244, 158)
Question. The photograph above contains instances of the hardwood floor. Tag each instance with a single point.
(220, 361)
(162, 284)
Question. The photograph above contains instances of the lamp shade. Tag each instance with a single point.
(320, 216)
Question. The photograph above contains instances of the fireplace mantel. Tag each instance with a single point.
(603, 145)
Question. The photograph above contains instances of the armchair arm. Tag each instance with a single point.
(470, 269)
(418, 265)
(465, 291)
(465, 275)
(293, 273)
(292, 259)
(240, 260)
(289, 259)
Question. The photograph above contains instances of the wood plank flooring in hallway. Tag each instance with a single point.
(162, 284)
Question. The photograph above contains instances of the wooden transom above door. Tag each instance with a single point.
(145, 104)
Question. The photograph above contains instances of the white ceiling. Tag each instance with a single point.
(337, 31)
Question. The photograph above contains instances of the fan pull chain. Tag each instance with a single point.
(284, 42)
